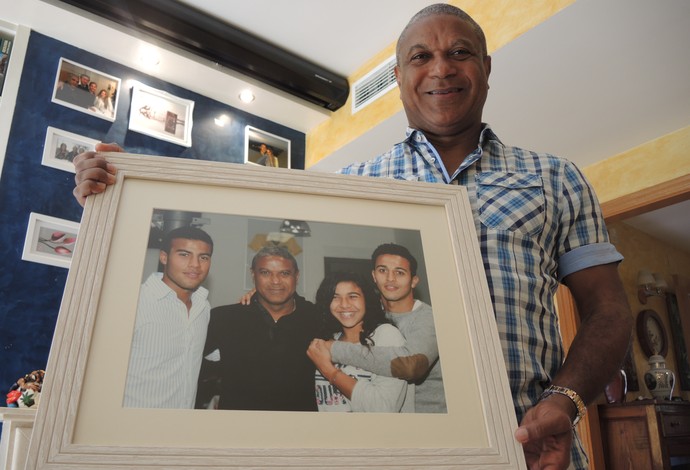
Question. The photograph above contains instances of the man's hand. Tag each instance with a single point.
(596, 353)
(93, 172)
(246, 298)
(546, 434)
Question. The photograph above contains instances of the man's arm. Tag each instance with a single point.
(410, 362)
(596, 353)
(604, 334)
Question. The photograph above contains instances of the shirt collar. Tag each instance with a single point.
(415, 137)
(162, 290)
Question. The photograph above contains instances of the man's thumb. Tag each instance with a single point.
(522, 435)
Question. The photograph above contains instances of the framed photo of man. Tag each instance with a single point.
(82, 419)
(85, 89)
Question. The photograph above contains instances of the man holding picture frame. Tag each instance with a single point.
(538, 224)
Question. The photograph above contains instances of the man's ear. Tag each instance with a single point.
(487, 65)
(163, 257)
(415, 281)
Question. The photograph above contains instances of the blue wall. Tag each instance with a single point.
(30, 293)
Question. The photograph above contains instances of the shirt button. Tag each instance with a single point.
(432, 160)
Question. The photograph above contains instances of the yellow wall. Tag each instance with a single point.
(650, 164)
(642, 251)
(502, 21)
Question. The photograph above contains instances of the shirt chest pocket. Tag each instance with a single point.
(511, 201)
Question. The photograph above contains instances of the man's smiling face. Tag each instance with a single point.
(275, 280)
(443, 75)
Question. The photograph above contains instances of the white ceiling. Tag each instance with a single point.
(596, 79)
(320, 30)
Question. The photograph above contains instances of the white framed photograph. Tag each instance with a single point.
(61, 147)
(85, 89)
(82, 420)
(50, 240)
(159, 114)
(265, 149)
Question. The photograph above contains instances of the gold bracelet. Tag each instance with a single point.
(574, 397)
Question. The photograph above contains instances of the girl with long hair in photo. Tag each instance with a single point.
(352, 311)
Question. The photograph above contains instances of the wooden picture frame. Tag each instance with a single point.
(81, 421)
(159, 114)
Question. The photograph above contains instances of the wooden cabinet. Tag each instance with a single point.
(646, 434)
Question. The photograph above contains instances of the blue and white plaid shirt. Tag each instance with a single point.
(537, 220)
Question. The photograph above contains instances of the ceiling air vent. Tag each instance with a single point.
(373, 85)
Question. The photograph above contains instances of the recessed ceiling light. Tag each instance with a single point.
(246, 96)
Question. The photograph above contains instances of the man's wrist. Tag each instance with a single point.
(580, 408)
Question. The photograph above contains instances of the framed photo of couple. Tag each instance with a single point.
(61, 147)
(81, 420)
(265, 149)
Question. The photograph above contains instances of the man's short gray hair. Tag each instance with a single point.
(275, 250)
(442, 9)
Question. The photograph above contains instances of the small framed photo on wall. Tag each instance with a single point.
(50, 240)
(61, 147)
(159, 114)
(85, 89)
(265, 149)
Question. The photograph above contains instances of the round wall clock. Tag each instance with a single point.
(651, 333)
